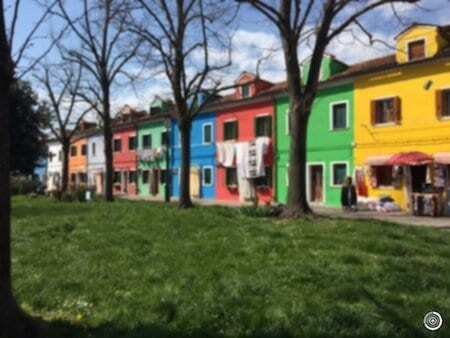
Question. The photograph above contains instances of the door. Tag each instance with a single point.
(316, 183)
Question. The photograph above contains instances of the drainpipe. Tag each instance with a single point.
(168, 167)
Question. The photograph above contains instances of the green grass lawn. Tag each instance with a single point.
(132, 269)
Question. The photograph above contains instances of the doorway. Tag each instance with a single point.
(316, 183)
(418, 177)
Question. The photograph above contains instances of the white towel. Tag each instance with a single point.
(242, 158)
(229, 151)
(262, 146)
(220, 153)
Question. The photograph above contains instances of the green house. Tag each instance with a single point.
(329, 142)
(152, 157)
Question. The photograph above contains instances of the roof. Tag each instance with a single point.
(415, 24)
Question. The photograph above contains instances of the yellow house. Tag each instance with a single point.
(402, 109)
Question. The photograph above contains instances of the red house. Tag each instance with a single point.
(243, 117)
(124, 149)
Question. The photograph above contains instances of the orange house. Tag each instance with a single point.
(78, 162)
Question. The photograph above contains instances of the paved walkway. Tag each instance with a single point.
(392, 217)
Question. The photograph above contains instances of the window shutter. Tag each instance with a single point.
(373, 112)
(398, 110)
(439, 104)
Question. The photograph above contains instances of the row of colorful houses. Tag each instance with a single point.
(366, 114)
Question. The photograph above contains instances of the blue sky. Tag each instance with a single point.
(255, 37)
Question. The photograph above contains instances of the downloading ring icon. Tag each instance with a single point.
(432, 321)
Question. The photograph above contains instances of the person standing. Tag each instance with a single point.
(348, 196)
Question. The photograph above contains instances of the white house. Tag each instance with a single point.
(54, 170)
(96, 162)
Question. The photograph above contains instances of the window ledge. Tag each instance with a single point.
(385, 125)
(339, 129)
(444, 118)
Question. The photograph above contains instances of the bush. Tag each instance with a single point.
(21, 185)
(267, 211)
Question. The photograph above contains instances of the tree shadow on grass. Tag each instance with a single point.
(61, 329)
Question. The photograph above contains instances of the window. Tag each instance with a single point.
(50, 157)
(83, 178)
(165, 138)
(386, 111)
(162, 176)
(145, 176)
(265, 181)
(446, 99)
(60, 156)
(132, 176)
(443, 103)
(384, 175)
(263, 126)
(93, 149)
(245, 90)
(73, 178)
(416, 50)
(231, 177)
(338, 174)
(117, 145)
(147, 141)
(117, 177)
(132, 143)
(207, 176)
(73, 151)
(339, 116)
(230, 130)
(207, 133)
(84, 150)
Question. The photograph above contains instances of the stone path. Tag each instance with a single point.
(393, 217)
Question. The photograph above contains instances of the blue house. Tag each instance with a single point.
(203, 154)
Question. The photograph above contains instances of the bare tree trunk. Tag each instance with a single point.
(185, 196)
(13, 323)
(65, 165)
(297, 205)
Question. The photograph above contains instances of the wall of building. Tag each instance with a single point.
(125, 161)
(202, 155)
(420, 128)
(246, 116)
(156, 130)
(54, 167)
(96, 161)
(78, 163)
(324, 145)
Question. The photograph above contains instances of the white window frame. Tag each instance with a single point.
(203, 133)
(409, 42)
(347, 115)
(207, 167)
(332, 164)
(287, 123)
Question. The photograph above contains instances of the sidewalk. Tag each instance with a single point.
(392, 217)
(402, 218)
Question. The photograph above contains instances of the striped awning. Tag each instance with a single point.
(378, 160)
(442, 158)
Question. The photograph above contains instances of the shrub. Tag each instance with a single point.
(21, 185)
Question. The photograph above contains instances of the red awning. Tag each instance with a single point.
(411, 158)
